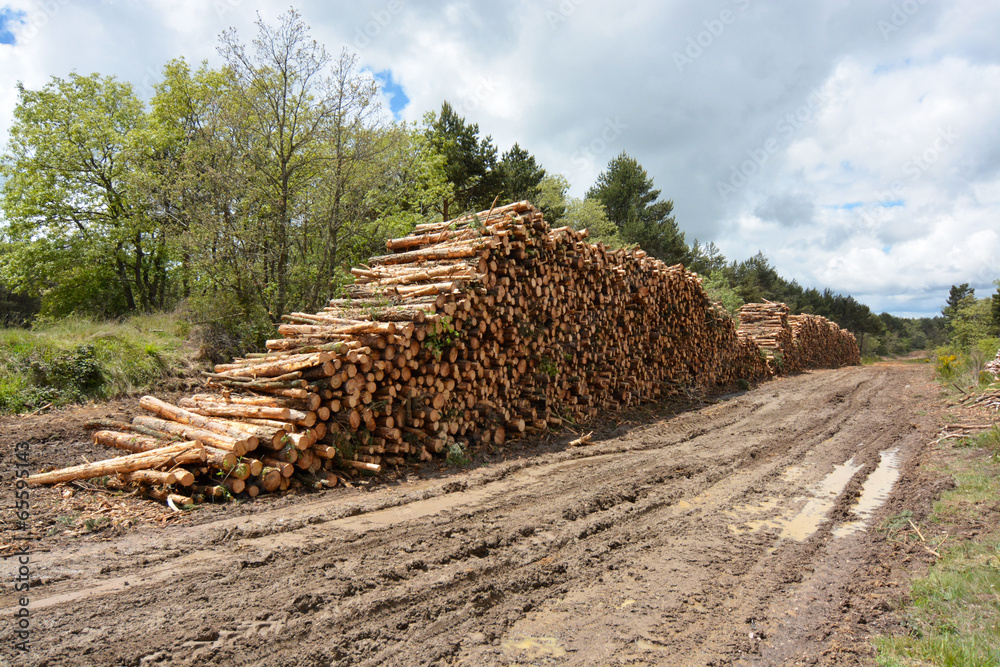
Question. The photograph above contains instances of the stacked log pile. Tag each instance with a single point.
(795, 343)
(468, 333)
(767, 324)
(819, 343)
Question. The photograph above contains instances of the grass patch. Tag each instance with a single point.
(954, 612)
(77, 359)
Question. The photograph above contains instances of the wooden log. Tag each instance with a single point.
(238, 446)
(162, 457)
(362, 465)
(182, 416)
(130, 442)
(149, 477)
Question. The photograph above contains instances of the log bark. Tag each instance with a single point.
(163, 457)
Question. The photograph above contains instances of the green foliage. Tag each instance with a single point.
(551, 197)
(989, 440)
(971, 321)
(626, 191)
(959, 295)
(78, 232)
(518, 176)
(706, 260)
(995, 307)
(469, 161)
(224, 331)
(548, 366)
(442, 336)
(260, 183)
(78, 359)
(953, 610)
(589, 214)
(16, 310)
(905, 335)
(966, 367)
(458, 455)
(947, 365)
(719, 290)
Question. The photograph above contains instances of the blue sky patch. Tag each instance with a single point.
(848, 206)
(884, 69)
(892, 204)
(397, 98)
(8, 17)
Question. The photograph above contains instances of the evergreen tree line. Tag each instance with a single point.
(249, 191)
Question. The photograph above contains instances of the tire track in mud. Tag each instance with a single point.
(663, 545)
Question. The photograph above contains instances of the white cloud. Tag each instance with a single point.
(821, 109)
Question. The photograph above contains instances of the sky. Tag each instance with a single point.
(857, 144)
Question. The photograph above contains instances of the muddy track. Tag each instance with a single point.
(726, 535)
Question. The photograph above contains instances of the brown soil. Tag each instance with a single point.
(715, 536)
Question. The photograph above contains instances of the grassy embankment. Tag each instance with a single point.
(953, 612)
(76, 359)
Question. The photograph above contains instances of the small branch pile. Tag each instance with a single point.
(994, 366)
(469, 333)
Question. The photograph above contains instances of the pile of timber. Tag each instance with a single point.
(470, 332)
(819, 343)
(767, 324)
(795, 343)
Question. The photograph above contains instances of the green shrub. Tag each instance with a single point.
(75, 359)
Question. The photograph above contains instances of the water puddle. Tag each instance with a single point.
(646, 645)
(534, 647)
(874, 493)
(808, 519)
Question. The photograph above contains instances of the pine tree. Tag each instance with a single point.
(469, 161)
(627, 192)
(519, 176)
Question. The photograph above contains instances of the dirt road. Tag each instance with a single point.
(740, 533)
